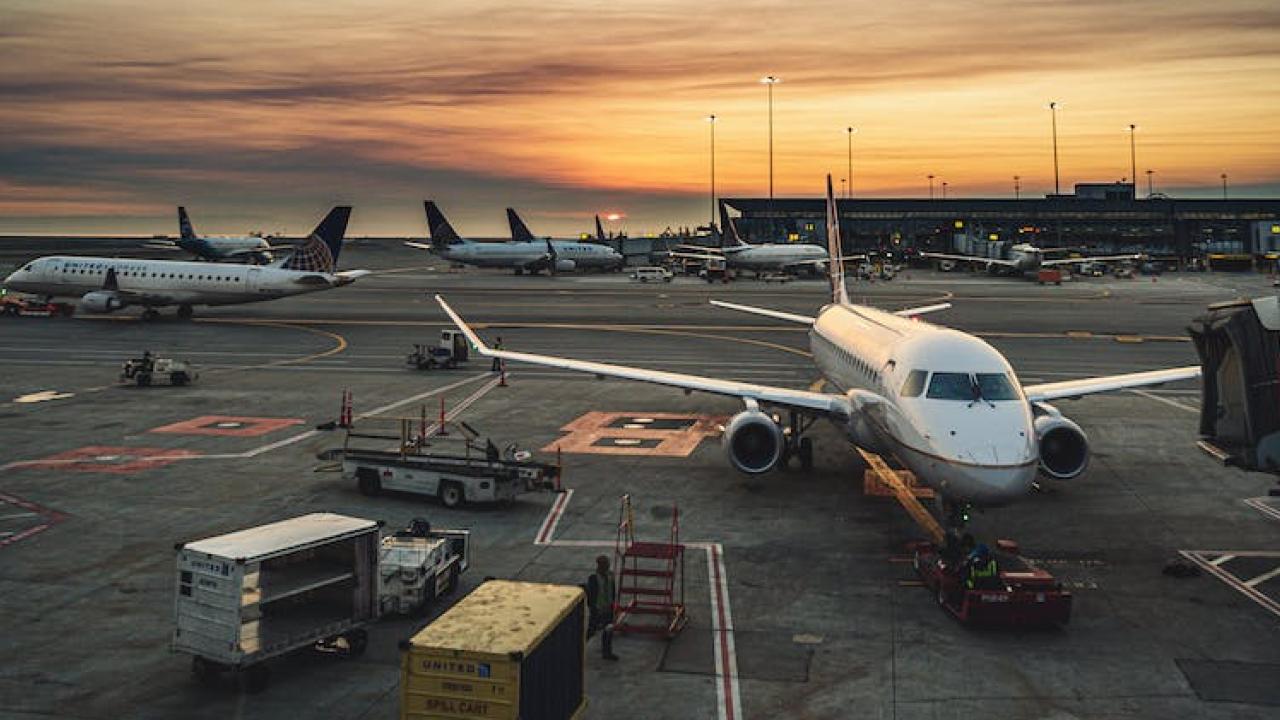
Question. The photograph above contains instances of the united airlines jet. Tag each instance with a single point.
(108, 284)
(944, 403)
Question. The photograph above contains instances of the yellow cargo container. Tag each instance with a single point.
(508, 650)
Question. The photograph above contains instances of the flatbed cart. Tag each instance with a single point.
(455, 468)
(1022, 595)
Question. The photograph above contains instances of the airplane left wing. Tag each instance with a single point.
(968, 258)
(822, 403)
(1090, 386)
(1082, 260)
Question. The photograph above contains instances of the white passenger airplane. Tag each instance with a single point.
(1024, 258)
(946, 404)
(766, 257)
(108, 284)
(213, 247)
(584, 255)
(521, 256)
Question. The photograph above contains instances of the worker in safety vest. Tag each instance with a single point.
(982, 569)
(600, 599)
(497, 362)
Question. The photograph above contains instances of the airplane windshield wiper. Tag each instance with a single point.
(976, 388)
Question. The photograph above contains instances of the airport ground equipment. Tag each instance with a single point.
(1239, 347)
(147, 369)
(451, 350)
(651, 274)
(778, 277)
(456, 468)
(248, 596)
(507, 650)
(20, 306)
(650, 579)
(1049, 276)
(419, 565)
(1022, 594)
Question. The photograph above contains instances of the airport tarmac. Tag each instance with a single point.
(800, 601)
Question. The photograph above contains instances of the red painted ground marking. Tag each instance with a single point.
(109, 459)
(553, 518)
(47, 516)
(722, 639)
(599, 433)
(228, 426)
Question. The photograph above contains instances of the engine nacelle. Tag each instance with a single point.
(1064, 448)
(753, 442)
(565, 265)
(101, 301)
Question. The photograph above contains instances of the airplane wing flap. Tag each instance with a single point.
(1110, 383)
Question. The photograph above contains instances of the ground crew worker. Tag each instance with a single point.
(982, 569)
(600, 599)
(497, 362)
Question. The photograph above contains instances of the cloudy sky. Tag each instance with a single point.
(259, 115)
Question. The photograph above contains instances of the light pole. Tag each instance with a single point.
(1053, 111)
(1150, 191)
(770, 81)
(850, 131)
(842, 190)
(1224, 186)
(1133, 153)
(1017, 188)
(930, 187)
(944, 189)
(711, 120)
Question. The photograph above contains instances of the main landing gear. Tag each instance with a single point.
(798, 445)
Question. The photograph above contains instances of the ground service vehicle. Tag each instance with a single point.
(30, 307)
(1046, 276)
(452, 350)
(248, 596)
(418, 565)
(454, 468)
(146, 369)
(1022, 595)
(507, 650)
(651, 274)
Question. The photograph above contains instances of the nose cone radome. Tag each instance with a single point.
(989, 485)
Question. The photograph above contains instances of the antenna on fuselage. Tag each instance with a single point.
(835, 265)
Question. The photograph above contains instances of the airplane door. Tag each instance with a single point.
(253, 279)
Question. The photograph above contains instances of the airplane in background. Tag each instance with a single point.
(768, 257)
(1025, 258)
(584, 255)
(532, 257)
(946, 404)
(250, 248)
(109, 284)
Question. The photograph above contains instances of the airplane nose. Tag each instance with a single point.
(993, 485)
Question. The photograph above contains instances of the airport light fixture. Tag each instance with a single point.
(842, 190)
(930, 187)
(1053, 112)
(944, 189)
(1150, 191)
(850, 131)
(770, 81)
(711, 121)
(1224, 186)
(1017, 187)
(1133, 153)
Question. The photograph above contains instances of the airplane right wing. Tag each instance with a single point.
(813, 402)
(1082, 260)
(420, 246)
(968, 258)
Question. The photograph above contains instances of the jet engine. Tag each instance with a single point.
(753, 442)
(101, 301)
(1064, 448)
(565, 265)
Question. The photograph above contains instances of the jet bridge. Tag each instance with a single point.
(1239, 347)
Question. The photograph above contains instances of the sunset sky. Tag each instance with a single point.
(259, 115)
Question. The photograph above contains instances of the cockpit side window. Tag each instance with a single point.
(950, 386)
(29, 267)
(914, 384)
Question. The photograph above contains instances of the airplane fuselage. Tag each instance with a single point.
(774, 256)
(217, 248)
(915, 384)
(525, 254)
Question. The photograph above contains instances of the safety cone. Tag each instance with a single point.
(344, 412)
(502, 373)
(442, 430)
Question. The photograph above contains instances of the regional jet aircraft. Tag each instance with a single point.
(769, 257)
(946, 404)
(584, 255)
(109, 284)
(1024, 258)
(208, 247)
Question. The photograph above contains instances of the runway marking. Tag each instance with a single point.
(1166, 401)
(41, 396)
(340, 342)
(552, 521)
(1214, 567)
(47, 519)
(108, 459)
(604, 433)
(1262, 505)
(227, 425)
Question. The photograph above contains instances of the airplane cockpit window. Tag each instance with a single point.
(914, 384)
(996, 386)
(951, 386)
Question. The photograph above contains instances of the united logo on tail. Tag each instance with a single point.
(320, 252)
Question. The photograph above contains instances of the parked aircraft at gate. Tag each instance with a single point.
(1024, 258)
(213, 247)
(946, 404)
(109, 284)
(766, 257)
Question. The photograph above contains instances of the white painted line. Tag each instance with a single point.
(1223, 559)
(17, 515)
(5, 534)
(548, 530)
(1261, 505)
(1196, 556)
(1166, 401)
(728, 696)
(1255, 582)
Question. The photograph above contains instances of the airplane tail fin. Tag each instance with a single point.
(728, 231)
(441, 232)
(184, 225)
(834, 248)
(320, 251)
(600, 230)
(519, 231)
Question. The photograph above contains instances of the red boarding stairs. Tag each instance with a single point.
(650, 579)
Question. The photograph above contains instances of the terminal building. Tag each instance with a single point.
(1098, 218)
